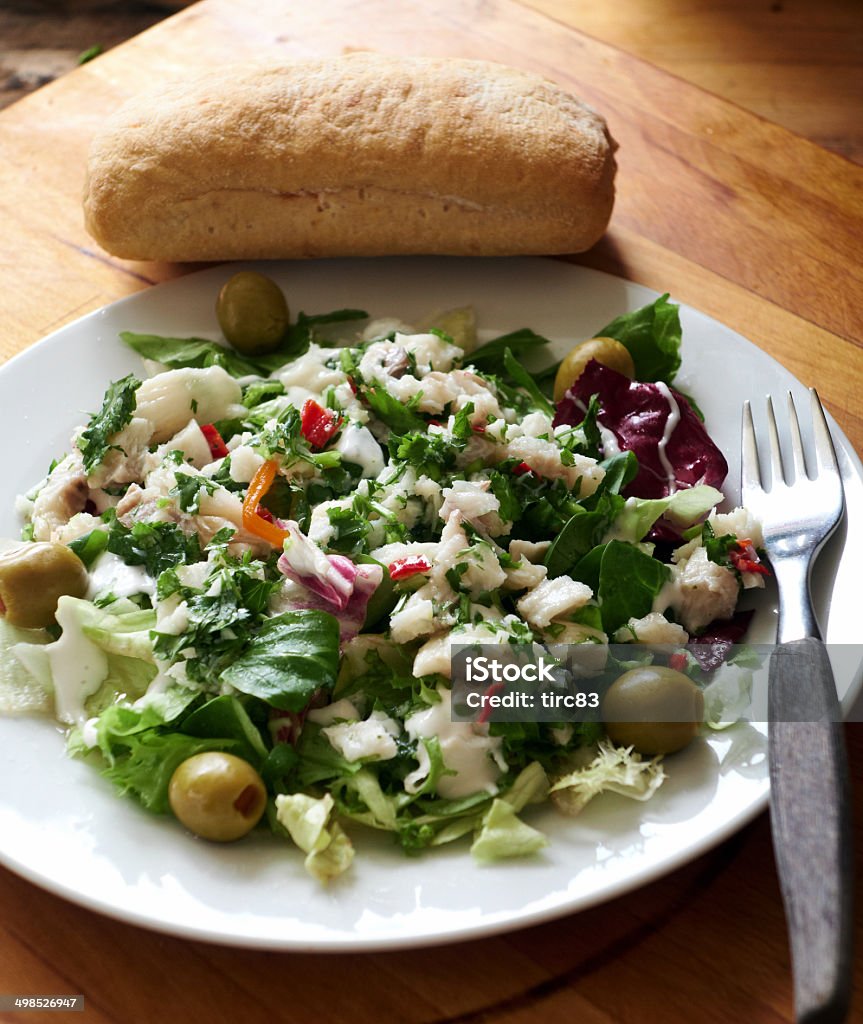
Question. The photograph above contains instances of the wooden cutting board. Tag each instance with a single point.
(734, 216)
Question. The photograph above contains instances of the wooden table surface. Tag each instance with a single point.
(734, 215)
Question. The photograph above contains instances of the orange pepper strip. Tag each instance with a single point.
(260, 483)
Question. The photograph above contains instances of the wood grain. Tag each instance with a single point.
(794, 63)
(735, 216)
(686, 158)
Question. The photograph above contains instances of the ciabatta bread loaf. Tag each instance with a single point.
(354, 156)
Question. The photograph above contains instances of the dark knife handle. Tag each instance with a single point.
(810, 819)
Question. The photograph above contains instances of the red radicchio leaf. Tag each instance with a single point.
(637, 414)
(713, 646)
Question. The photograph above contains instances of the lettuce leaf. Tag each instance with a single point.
(504, 834)
(307, 820)
(612, 769)
(151, 757)
(683, 508)
(21, 691)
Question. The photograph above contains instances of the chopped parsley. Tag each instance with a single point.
(117, 408)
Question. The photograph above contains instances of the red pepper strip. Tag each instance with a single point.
(218, 448)
(745, 559)
(678, 661)
(747, 565)
(485, 713)
(401, 568)
(523, 468)
(318, 424)
(261, 482)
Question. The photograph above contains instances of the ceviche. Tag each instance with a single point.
(240, 588)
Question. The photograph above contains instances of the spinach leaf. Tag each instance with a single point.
(490, 357)
(652, 335)
(201, 352)
(620, 469)
(117, 407)
(300, 335)
(198, 353)
(582, 533)
(290, 657)
(523, 379)
(624, 580)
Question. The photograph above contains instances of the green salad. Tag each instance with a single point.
(239, 590)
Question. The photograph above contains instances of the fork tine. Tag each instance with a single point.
(796, 440)
(776, 468)
(750, 476)
(824, 450)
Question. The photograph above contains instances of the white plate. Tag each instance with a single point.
(61, 825)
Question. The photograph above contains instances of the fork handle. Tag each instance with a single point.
(811, 827)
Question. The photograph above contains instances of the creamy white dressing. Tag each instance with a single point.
(110, 575)
(89, 732)
(466, 748)
(357, 444)
(78, 666)
(608, 440)
(670, 426)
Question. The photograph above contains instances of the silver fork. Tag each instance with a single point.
(808, 769)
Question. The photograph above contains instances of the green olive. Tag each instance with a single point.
(217, 796)
(608, 351)
(252, 313)
(654, 709)
(33, 578)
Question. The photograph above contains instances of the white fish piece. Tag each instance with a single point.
(310, 372)
(703, 591)
(63, 495)
(171, 399)
(371, 740)
(552, 598)
(652, 628)
(466, 748)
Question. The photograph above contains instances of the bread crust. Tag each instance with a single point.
(360, 155)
